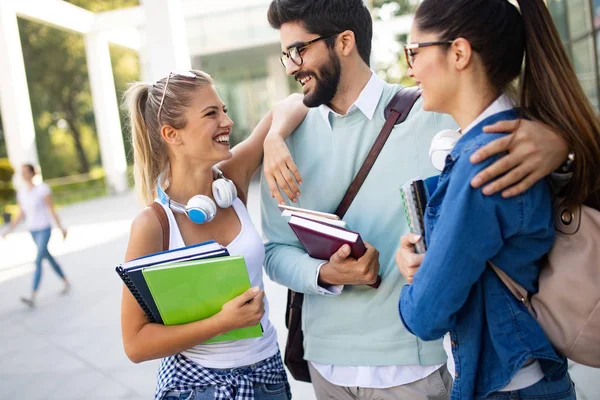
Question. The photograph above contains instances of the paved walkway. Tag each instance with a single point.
(69, 347)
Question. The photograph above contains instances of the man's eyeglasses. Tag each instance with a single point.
(294, 53)
(409, 49)
(184, 74)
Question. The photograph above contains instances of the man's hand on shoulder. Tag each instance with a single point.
(534, 152)
(345, 270)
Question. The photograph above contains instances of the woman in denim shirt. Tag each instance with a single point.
(465, 54)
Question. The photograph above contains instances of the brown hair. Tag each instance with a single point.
(549, 89)
(150, 154)
(551, 93)
(327, 18)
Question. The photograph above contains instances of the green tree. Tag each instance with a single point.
(126, 68)
(103, 5)
(395, 72)
(3, 152)
(60, 93)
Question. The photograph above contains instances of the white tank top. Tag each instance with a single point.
(237, 353)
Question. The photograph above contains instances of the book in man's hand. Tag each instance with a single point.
(319, 216)
(321, 240)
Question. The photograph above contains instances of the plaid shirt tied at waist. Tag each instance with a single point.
(179, 373)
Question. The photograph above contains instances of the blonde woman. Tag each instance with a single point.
(180, 132)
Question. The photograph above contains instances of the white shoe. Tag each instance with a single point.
(28, 301)
(66, 289)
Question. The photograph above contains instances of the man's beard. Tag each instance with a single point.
(326, 85)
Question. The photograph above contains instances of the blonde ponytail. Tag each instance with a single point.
(150, 155)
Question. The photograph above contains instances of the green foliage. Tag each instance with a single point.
(396, 72)
(125, 62)
(60, 92)
(3, 152)
(77, 188)
(60, 98)
(103, 5)
(126, 67)
(7, 192)
(6, 171)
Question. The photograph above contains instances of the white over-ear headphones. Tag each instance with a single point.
(441, 145)
(200, 208)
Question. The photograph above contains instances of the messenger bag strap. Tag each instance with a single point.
(161, 214)
(395, 113)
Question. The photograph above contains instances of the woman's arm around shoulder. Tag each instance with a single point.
(143, 340)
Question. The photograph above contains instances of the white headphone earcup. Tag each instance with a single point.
(441, 145)
(201, 209)
(224, 192)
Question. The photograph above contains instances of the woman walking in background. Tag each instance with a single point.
(36, 206)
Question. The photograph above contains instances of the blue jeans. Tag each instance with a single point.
(561, 389)
(262, 391)
(41, 239)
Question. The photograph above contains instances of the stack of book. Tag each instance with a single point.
(188, 284)
(322, 234)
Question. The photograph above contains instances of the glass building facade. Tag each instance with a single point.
(578, 22)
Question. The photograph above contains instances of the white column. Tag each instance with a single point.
(19, 131)
(164, 42)
(106, 112)
(278, 85)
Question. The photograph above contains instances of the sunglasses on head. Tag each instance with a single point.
(183, 74)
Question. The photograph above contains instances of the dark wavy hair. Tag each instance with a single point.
(327, 17)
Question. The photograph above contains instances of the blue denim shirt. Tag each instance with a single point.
(492, 334)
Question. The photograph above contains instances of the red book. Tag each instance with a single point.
(322, 240)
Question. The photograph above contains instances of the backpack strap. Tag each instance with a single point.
(161, 214)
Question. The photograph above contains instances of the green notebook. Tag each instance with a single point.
(194, 290)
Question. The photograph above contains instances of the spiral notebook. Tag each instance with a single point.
(414, 200)
(131, 271)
